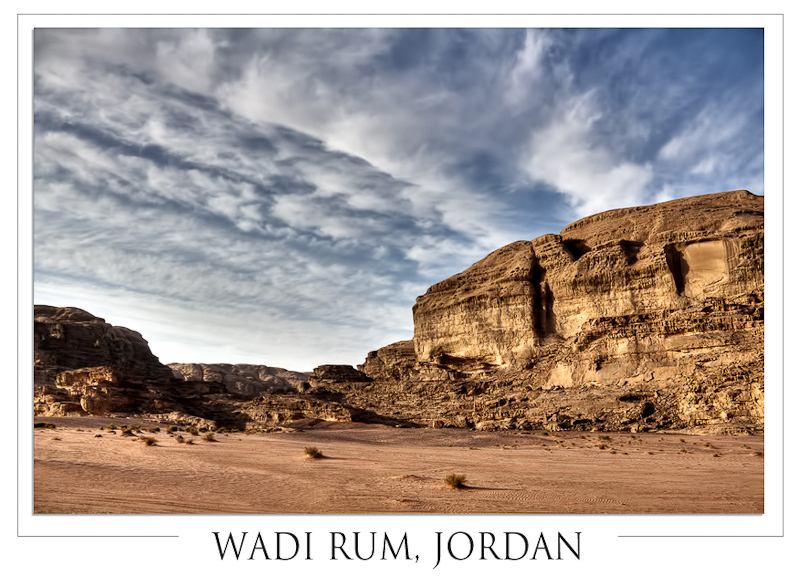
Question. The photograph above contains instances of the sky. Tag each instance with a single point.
(282, 196)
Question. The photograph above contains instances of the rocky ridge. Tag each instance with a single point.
(647, 318)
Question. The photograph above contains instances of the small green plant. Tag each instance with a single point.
(313, 452)
(455, 481)
(148, 440)
(173, 428)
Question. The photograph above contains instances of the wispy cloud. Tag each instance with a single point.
(283, 195)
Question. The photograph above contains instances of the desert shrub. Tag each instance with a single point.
(209, 437)
(188, 441)
(455, 481)
(173, 428)
(127, 432)
(605, 438)
(602, 446)
(48, 425)
(192, 431)
(153, 429)
(98, 435)
(203, 429)
(111, 427)
(148, 440)
(179, 439)
(313, 452)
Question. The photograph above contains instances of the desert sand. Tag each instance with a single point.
(373, 469)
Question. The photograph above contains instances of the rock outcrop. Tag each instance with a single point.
(633, 317)
(648, 318)
(83, 365)
(328, 373)
(244, 379)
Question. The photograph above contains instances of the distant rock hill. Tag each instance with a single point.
(85, 366)
(647, 318)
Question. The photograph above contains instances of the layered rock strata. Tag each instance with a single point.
(83, 365)
(648, 318)
(244, 379)
(633, 317)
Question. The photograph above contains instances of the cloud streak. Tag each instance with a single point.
(306, 185)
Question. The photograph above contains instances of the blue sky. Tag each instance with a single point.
(282, 196)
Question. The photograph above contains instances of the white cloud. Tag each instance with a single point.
(567, 155)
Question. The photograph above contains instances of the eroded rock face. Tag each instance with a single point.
(650, 261)
(70, 338)
(649, 315)
(244, 379)
(83, 365)
(336, 373)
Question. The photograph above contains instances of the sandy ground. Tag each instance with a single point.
(377, 469)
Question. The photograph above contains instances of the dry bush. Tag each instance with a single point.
(209, 437)
(179, 439)
(148, 440)
(455, 481)
(312, 452)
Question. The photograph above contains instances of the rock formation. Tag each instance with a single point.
(648, 315)
(328, 373)
(83, 365)
(645, 318)
(243, 379)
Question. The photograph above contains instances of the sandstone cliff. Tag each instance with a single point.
(243, 379)
(83, 365)
(633, 317)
